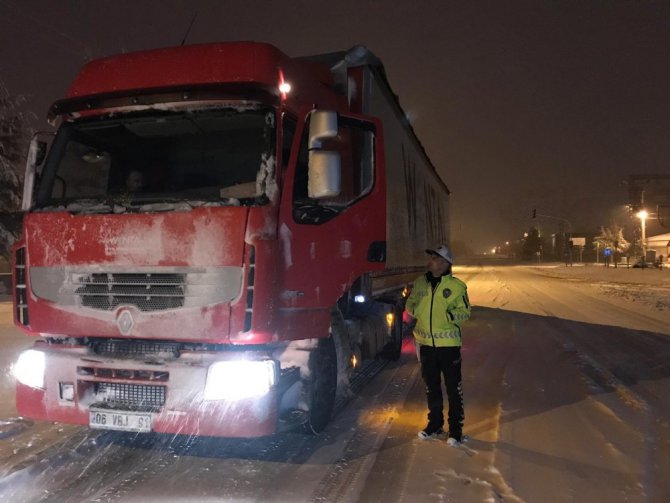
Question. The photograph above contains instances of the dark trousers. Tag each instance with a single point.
(435, 363)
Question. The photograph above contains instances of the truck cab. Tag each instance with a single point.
(205, 245)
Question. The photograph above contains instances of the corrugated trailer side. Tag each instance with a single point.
(417, 199)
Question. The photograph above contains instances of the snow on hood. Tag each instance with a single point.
(202, 237)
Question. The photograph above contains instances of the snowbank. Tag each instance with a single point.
(647, 286)
(594, 273)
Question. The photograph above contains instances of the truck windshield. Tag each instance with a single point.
(222, 155)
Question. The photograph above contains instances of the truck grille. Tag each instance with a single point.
(126, 374)
(136, 349)
(146, 291)
(149, 289)
(132, 396)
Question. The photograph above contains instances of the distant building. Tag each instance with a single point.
(659, 244)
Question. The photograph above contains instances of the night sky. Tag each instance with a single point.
(520, 105)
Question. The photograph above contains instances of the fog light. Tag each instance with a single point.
(67, 391)
(29, 368)
(238, 379)
(360, 299)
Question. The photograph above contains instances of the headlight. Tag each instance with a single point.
(234, 380)
(29, 368)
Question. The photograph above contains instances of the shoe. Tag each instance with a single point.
(431, 431)
(456, 440)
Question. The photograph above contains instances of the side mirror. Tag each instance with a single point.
(322, 125)
(325, 174)
(36, 155)
(41, 152)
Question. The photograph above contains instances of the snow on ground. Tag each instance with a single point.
(566, 387)
(646, 286)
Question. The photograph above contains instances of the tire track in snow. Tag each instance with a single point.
(593, 358)
(600, 378)
(348, 474)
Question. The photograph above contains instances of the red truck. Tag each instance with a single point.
(215, 237)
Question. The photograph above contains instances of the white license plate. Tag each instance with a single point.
(119, 420)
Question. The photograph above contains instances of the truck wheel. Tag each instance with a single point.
(321, 386)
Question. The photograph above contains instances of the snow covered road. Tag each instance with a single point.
(566, 379)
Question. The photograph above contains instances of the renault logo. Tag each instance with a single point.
(125, 322)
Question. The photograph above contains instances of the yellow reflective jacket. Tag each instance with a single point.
(439, 312)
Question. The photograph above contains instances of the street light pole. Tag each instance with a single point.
(642, 215)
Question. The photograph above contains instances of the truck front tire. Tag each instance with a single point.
(321, 386)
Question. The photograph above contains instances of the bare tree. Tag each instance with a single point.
(612, 237)
(14, 138)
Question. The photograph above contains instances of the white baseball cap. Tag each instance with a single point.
(442, 251)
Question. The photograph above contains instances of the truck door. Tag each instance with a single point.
(329, 242)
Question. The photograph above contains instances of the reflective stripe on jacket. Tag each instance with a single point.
(439, 312)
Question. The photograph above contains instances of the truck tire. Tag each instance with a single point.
(321, 386)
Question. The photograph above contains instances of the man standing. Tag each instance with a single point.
(439, 302)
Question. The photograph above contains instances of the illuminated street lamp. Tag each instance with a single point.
(642, 215)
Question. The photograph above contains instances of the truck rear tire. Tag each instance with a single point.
(321, 386)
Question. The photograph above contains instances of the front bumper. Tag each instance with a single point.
(171, 391)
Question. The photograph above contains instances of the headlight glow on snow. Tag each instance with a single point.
(234, 380)
(29, 368)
